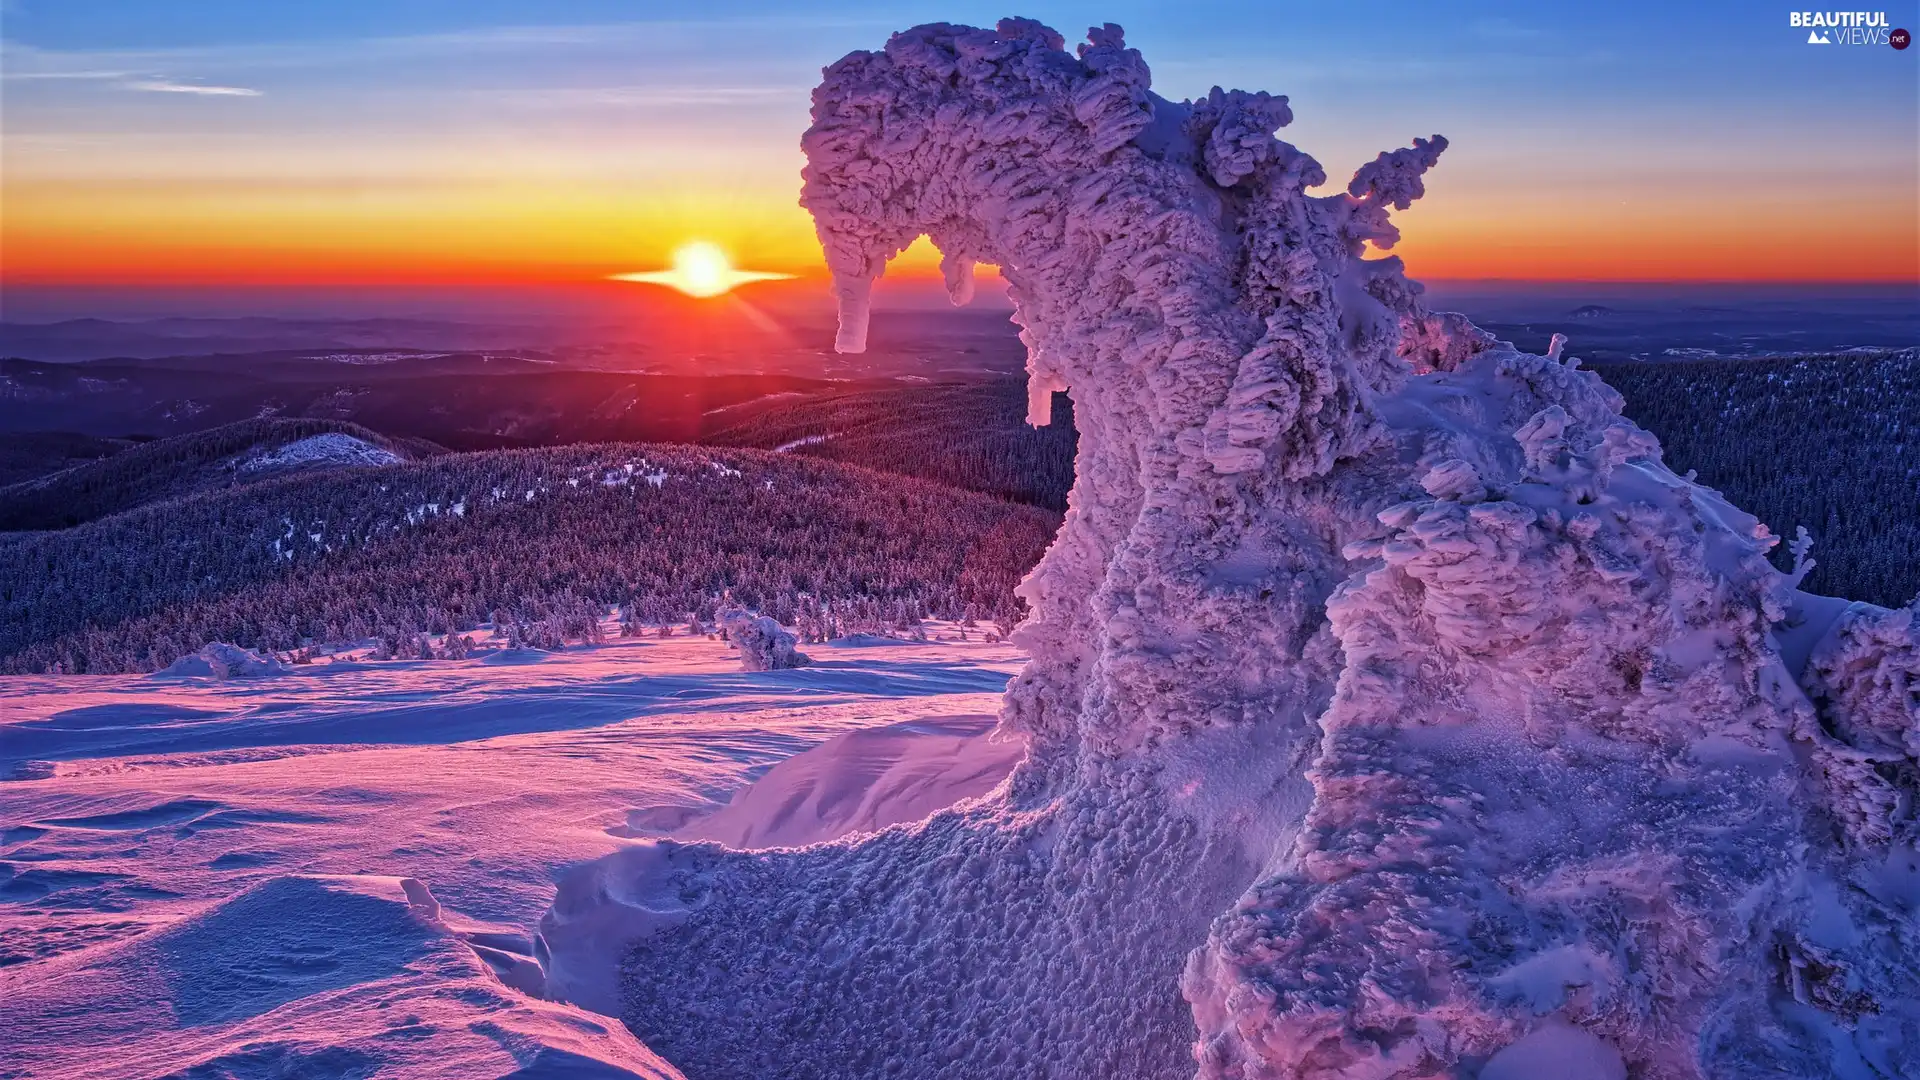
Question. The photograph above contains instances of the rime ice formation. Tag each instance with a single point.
(1394, 711)
(764, 644)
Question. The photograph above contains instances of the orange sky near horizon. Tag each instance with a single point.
(136, 233)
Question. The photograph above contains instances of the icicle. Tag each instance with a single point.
(958, 271)
(1040, 388)
(855, 297)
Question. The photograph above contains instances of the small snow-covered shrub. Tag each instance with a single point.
(764, 645)
(219, 660)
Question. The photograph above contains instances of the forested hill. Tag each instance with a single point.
(333, 552)
(237, 453)
(971, 435)
(535, 538)
(26, 455)
(1831, 442)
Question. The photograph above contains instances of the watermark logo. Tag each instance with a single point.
(1848, 28)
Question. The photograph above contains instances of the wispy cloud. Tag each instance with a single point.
(25, 61)
(166, 86)
(74, 74)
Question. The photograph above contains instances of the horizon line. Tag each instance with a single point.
(914, 275)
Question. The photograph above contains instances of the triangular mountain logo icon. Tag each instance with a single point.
(1815, 37)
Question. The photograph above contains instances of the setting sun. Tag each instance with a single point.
(702, 269)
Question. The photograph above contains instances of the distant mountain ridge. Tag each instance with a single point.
(221, 457)
(465, 401)
(90, 338)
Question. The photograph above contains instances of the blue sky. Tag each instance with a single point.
(1579, 131)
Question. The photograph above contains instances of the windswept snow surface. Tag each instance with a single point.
(337, 872)
(1394, 712)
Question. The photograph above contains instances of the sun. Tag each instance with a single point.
(701, 268)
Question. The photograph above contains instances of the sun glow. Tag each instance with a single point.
(701, 269)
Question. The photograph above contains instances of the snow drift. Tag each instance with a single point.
(862, 782)
(303, 975)
(1394, 710)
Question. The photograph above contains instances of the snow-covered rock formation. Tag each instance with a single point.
(1394, 711)
(764, 644)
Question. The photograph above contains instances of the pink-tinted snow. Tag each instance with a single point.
(336, 870)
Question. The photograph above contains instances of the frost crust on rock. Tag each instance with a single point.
(1393, 711)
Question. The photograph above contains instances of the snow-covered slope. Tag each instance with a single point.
(1394, 712)
(335, 872)
(332, 449)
